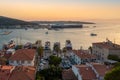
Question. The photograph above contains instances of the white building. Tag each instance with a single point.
(103, 49)
(25, 57)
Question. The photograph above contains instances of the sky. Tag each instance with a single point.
(60, 9)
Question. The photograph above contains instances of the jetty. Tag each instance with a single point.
(5, 32)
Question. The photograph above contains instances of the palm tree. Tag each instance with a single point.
(40, 51)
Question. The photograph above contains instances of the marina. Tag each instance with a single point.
(79, 37)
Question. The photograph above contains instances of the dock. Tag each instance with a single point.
(6, 33)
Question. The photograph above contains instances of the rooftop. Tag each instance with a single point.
(5, 72)
(101, 68)
(68, 75)
(86, 72)
(84, 54)
(23, 73)
(107, 45)
(23, 54)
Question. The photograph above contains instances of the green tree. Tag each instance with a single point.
(19, 47)
(57, 49)
(40, 51)
(54, 60)
(113, 57)
(52, 73)
(117, 64)
(64, 50)
(114, 74)
(90, 48)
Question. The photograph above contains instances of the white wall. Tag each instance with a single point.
(76, 72)
(102, 52)
(26, 63)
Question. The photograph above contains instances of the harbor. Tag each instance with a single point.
(79, 37)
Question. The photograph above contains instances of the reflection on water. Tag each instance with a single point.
(78, 37)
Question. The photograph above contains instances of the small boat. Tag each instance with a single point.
(93, 34)
(46, 32)
(26, 28)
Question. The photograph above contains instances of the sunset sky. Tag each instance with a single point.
(60, 9)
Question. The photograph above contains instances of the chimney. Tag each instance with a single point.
(87, 68)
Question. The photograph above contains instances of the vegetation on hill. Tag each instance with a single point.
(66, 22)
(5, 21)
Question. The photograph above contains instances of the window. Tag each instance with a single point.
(17, 61)
(29, 62)
(22, 62)
(11, 61)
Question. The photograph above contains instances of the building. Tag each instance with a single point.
(103, 49)
(5, 72)
(23, 73)
(84, 72)
(100, 70)
(82, 57)
(68, 75)
(17, 73)
(89, 71)
(23, 57)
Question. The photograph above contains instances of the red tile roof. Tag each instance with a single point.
(86, 72)
(23, 73)
(23, 54)
(68, 75)
(101, 68)
(84, 55)
(107, 45)
(5, 72)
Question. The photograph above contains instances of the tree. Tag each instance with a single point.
(56, 48)
(64, 50)
(117, 64)
(90, 48)
(40, 51)
(113, 57)
(18, 47)
(114, 74)
(54, 60)
(52, 73)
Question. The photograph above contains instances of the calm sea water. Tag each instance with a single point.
(78, 37)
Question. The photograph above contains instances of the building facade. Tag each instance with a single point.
(23, 57)
(103, 49)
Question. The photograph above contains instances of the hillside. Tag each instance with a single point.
(62, 22)
(4, 21)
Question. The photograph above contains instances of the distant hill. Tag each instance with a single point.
(62, 22)
(4, 21)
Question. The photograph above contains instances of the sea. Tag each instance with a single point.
(80, 37)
